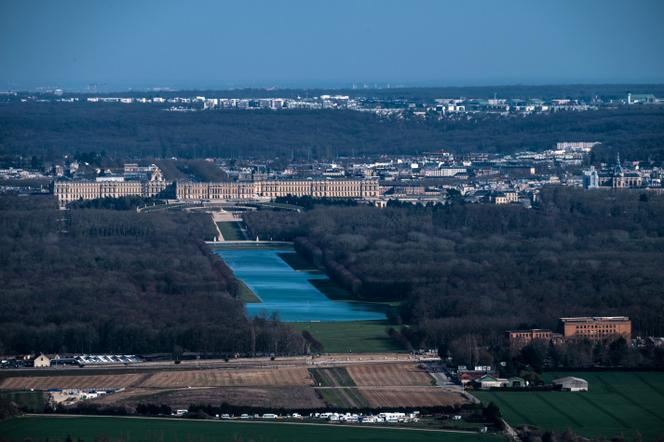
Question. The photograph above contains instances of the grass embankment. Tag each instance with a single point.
(139, 429)
(248, 295)
(231, 231)
(615, 403)
(351, 336)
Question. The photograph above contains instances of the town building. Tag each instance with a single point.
(597, 328)
(41, 361)
(520, 338)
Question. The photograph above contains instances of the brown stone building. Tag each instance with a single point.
(520, 338)
(597, 328)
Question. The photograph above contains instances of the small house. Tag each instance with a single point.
(41, 361)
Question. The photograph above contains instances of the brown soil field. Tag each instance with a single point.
(268, 397)
(411, 397)
(383, 375)
(295, 376)
(46, 382)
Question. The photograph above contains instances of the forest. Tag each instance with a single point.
(470, 272)
(112, 133)
(99, 280)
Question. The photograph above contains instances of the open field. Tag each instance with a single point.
(229, 378)
(343, 398)
(617, 402)
(385, 375)
(381, 397)
(100, 381)
(352, 336)
(266, 397)
(30, 400)
(167, 430)
(340, 381)
(231, 231)
(332, 377)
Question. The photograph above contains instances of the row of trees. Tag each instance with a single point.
(483, 269)
(101, 280)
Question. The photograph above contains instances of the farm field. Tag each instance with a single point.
(290, 376)
(267, 397)
(86, 381)
(385, 375)
(231, 231)
(617, 402)
(351, 336)
(381, 397)
(167, 430)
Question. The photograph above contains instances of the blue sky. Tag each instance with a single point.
(219, 44)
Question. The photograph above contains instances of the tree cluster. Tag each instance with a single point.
(97, 280)
(478, 270)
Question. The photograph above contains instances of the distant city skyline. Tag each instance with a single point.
(117, 46)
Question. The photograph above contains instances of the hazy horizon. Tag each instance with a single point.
(258, 44)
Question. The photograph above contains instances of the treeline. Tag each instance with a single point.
(478, 270)
(97, 280)
(114, 133)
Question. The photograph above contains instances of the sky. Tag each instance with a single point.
(200, 44)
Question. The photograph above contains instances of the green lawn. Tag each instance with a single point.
(617, 402)
(352, 336)
(231, 231)
(90, 428)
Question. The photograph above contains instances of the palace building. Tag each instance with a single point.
(116, 187)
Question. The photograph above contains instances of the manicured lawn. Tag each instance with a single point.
(617, 402)
(231, 231)
(91, 428)
(352, 336)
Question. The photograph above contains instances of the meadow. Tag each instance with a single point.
(139, 429)
(615, 403)
(351, 336)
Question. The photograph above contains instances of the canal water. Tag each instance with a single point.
(289, 292)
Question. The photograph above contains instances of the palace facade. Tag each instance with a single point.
(69, 191)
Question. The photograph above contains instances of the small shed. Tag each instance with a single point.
(571, 383)
(41, 361)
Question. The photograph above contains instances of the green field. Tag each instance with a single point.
(132, 429)
(352, 336)
(29, 400)
(231, 231)
(616, 402)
